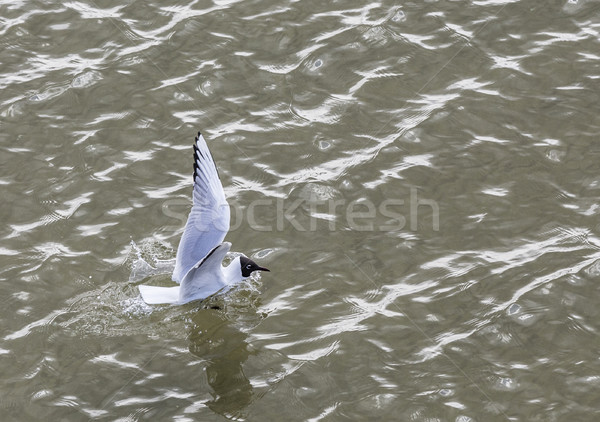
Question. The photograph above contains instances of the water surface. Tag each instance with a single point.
(421, 178)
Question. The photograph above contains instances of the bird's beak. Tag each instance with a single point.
(264, 269)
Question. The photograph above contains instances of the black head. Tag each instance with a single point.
(248, 266)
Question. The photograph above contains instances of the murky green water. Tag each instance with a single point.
(422, 178)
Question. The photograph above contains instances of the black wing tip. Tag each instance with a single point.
(196, 168)
(198, 155)
(196, 139)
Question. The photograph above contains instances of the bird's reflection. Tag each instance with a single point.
(215, 339)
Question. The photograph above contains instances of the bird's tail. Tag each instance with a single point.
(154, 295)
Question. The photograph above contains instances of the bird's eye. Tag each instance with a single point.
(248, 266)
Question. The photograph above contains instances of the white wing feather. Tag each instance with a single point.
(208, 222)
(206, 277)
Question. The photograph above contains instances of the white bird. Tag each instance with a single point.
(198, 265)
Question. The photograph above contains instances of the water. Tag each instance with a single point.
(421, 179)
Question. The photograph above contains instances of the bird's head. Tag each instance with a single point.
(248, 266)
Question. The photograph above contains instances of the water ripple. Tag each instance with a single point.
(478, 117)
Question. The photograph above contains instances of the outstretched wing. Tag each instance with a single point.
(208, 222)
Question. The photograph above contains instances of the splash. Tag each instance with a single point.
(149, 260)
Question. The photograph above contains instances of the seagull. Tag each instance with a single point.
(198, 264)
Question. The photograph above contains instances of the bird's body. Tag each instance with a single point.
(198, 265)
